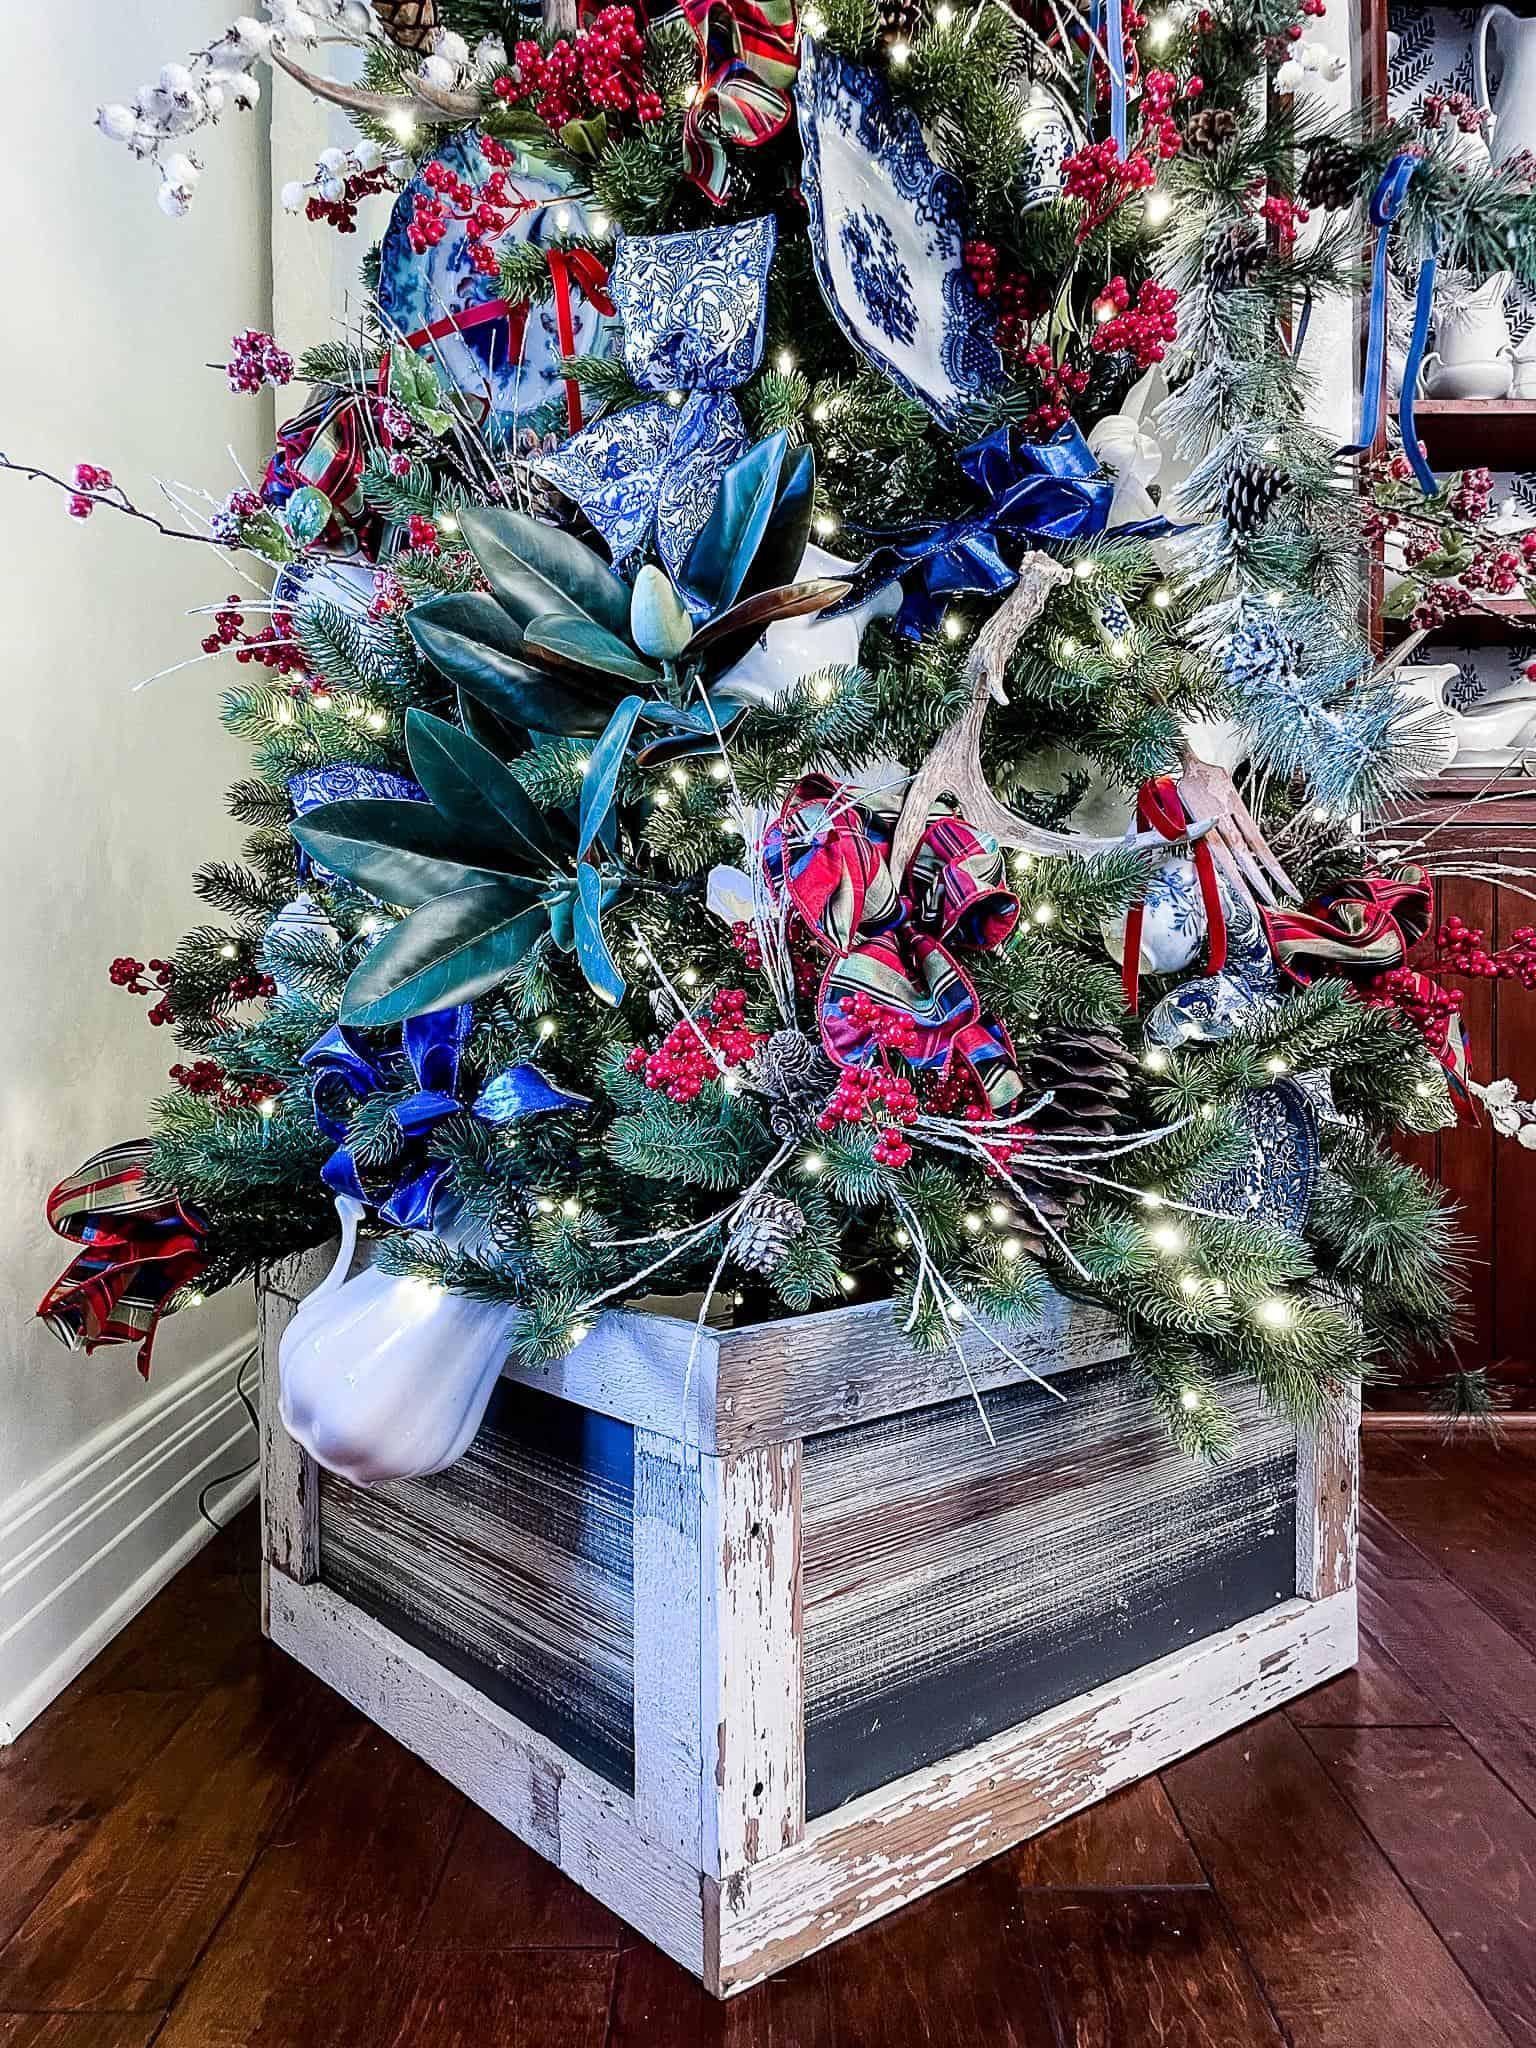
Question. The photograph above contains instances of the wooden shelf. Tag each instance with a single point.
(1503, 618)
(1465, 433)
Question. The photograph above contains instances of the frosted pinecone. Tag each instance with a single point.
(410, 23)
(1236, 258)
(764, 1232)
(796, 1076)
(1329, 177)
(538, 498)
(1251, 490)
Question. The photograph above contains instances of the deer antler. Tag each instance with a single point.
(953, 767)
(431, 105)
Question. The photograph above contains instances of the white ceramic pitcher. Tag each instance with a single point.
(1472, 327)
(1514, 111)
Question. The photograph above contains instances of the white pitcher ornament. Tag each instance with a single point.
(387, 1377)
(1514, 108)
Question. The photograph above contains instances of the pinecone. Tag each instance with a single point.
(1212, 128)
(764, 1232)
(1089, 1077)
(898, 20)
(1329, 177)
(797, 1077)
(410, 23)
(1251, 489)
(1236, 259)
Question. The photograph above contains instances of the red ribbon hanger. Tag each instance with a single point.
(1160, 808)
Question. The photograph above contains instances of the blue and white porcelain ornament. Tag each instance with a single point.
(1276, 1177)
(386, 1377)
(505, 359)
(694, 309)
(1212, 1006)
(794, 648)
(1173, 921)
(888, 229)
(1050, 137)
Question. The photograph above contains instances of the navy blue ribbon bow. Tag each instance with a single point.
(1035, 493)
(344, 1072)
(1386, 204)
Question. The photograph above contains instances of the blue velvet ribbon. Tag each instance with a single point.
(1386, 203)
(1110, 24)
(344, 1071)
(1035, 492)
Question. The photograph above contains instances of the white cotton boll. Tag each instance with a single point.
(182, 116)
(144, 140)
(490, 53)
(437, 71)
(176, 80)
(1526, 1136)
(1290, 77)
(213, 98)
(250, 37)
(367, 155)
(294, 195)
(332, 160)
(244, 90)
(116, 121)
(451, 48)
(173, 199)
(182, 170)
(332, 189)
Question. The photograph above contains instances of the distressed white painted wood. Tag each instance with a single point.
(547, 1799)
(893, 1845)
(1328, 1501)
(667, 1641)
(290, 1489)
(753, 1657)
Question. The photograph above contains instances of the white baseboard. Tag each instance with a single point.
(94, 1539)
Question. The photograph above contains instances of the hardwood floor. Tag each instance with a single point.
(200, 1847)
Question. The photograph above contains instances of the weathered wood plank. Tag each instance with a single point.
(290, 1481)
(955, 1586)
(754, 1684)
(1328, 1501)
(574, 1818)
(895, 1844)
(667, 1645)
(77, 2029)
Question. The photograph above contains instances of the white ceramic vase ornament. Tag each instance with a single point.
(1514, 109)
(792, 648)
(1049, 139)
(385, 1377)
(1173, 921)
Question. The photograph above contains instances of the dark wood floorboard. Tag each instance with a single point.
(201, 1847)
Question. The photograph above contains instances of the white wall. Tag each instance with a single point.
(108, 799)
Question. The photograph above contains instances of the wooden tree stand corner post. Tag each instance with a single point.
(758, 1673)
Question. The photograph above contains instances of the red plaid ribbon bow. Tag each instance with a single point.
(1358, 928)
(137, 1249)
(1160, 808)
(750, 52)
(895, 944)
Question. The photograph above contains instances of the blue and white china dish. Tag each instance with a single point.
(508, 367)
(1212, 1006)
(1275, 1179)
(887, 231)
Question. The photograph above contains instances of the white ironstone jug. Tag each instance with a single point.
(1514, 111)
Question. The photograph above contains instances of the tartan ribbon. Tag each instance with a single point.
(1160, 808)
(749, 55)
(137, 1248)
(326, 447)
(1356, 929)
(344, 1071)
(576, 269)
(895, 939)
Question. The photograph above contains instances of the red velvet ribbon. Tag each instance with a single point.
(579, 268)
(1160, 808)
(516, 318)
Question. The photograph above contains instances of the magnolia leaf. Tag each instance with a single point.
(449, 951)
(473, 790)
(604, 766)
(586, 646)
(592, 954)
(577, 702)
(719, 559)
(402, 852)
(535, 569)
(728, 637)
(782, 549)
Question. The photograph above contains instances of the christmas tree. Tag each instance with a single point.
(814, 736)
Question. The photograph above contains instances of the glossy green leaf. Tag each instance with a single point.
(469, 613)
(782, 549)
(592, 954)
(504, 739)
(533, 568)
(561, 906)
(584, 644)
(402, 852)
(514, 689)
(605, 764)
(719, 559)
(449, 951)
(726, 639)
(475, 792)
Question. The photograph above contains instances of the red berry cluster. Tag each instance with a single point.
(1142, 330)
(1459, 107)
(238, 509)
(1103, 180)
(681, 1064)
(1059, 385)
(208, 1079)
(1465, 950)
(249, 986)
(271, 646)
(88, 477)
(388, 595)
(486, 212)
(341, 214)
(877, 1092)
(1159, 131)
(126, 972)
(1284, 216)
(746, 942)
(598, 71)
(422, 534)
(255, 360)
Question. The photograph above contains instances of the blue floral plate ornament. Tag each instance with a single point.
(506, 363)
(1275, 1179)
(888, 230)
(694, 308)
(1212, 1006)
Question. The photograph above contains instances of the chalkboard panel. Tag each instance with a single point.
(514, 1568)
(953, 1588)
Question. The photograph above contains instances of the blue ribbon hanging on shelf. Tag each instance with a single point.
(1387, 203)
(344, 1072)
(1035, 493)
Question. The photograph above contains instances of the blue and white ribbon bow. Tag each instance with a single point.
(694, 308)
(1386, 204)
(344, 1072)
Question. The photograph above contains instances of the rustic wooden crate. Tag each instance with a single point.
(757, 1671)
